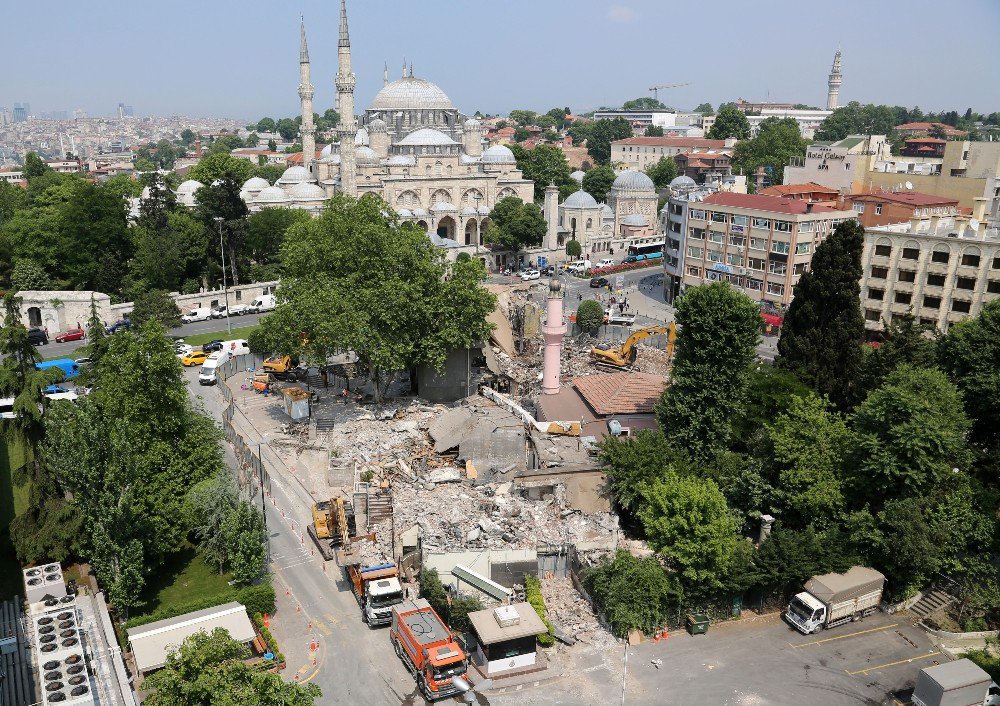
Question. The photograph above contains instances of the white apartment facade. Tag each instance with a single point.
(808, 120)
(640, 152)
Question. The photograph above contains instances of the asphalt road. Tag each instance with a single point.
(68, 349)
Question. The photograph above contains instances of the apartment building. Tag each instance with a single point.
(759, 244)
(843, 165)
(882, 208)
(639, 152)
(941, 269)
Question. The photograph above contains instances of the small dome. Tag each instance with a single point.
(410, 93)
(419, 212)
(366, 155)
(577, 176)
(189, 187)
(377, 125)
(606, 211)
(327, 151)
(635, 219)
(682, 182)
(294, 175)
(469, 211)
(443, 207)
(466, 159)
(631, 180)
(405, 213)
(427, 136)
(361, 138)
(304, 191)
(255, 184)
(580, 199)
(271, 195)
(401, 160)
(472, 124)
(484, 211)
(498, 154)
(246, 196)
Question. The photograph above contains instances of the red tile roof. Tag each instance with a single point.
(296, 157)
(670, 142)
(910, 198)
(788, 189)
(758, 202)
(926, 127)
(621, 393)
(934, 140)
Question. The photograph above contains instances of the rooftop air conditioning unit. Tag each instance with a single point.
(506, 616)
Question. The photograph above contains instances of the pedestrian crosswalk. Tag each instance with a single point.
(288, 559)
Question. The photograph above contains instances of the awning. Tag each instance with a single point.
(772, 319)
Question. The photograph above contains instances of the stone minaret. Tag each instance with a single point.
(472, 137)
(308, 129)
(833, 83)
(348, 127)
(550, 209)
(553, 331)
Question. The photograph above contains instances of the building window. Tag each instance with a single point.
(758, 243)
(718, 217)
(902, 298)
(755, 284)
(715, 236)
(970, 260)
(779, 247)
(962, 307)
(714, 256)
(803, 248)
(993, 286)
(907, 276)
(761, 223)
(996, 263)
(800, 268)
(694, 271)
(880, 272)
(911, 253)
(755, 264)
(777, 268)
(783, 226)
(965, 282)
(940, 256)
(878, 294)
(873, 315)
(734, 258)
(883, 250)
(858, 207)
(738, 220)
(697, 214)
(697, 234)
(935, 280)
(932, 302)
(878, 209)
(774, 288)
(807, 227)
(737, 240)
(694, 252)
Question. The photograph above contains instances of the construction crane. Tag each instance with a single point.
(663, 86)
(624, 356)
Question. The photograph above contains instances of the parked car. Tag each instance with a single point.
(83, 361)
(37, 337)
(120, 325)
(193, 358)
(202, 314)
(613, 317)
(607, 262)
(261, 304)
(238, 309)
(599, 282)
(529, 275)
(212, 346)
(56, 390)
(219, 312)
(74, 334)
(548, 270)
(182, 349)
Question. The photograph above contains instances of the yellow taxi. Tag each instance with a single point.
(194, 358)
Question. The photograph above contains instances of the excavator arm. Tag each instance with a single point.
(623, 356)
(640, 335)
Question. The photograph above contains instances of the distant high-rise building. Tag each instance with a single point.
(833, 84)
(124, 111)
(21, 112)
(5, 118)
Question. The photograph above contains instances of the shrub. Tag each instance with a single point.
(633, 594)
(533, 594)
(272, 644)
(461, 606)
(590, 315)
(573, 248)
(257, 599)
(434, 592)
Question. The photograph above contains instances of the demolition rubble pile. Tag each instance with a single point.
(571, 613)
(378, 551)
(375, 438)
(651, 360)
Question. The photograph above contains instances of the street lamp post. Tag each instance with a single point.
(225, 290)
(263, 506)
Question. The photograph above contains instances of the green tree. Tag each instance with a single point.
(729, 122)
(220, 165)
(246, 540)
(770, 391)
(644, 103)
(546, 122)
(912, 548)
(602, 134)
(156, 305)
(187, 136)
(687, 521)
(516, 225)
(904, 340)
(857, 119)
(573, 248)
(911, 433)
(266, 231)
(810, 443)
(776, 142)
(662, 172)
(788, 558)
(634, 594)
(521, 134)
(433, 591)
(219, 205)
(704, 109)
(12, 199)
(208, 669)
(266, 125)
(27, 275)
(355, 279)
(544, 165)
(34, 166)
(522, 117)
(207, 506)
(718, 333)
(96, 338)
(823, 329)
(287, 128)
(653, 131)
(597, 181)
(272, 145)
(638, 460)
(589, 316)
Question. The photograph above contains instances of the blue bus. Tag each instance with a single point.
(649, 251)
(67, 365)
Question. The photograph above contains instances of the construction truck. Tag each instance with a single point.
(331, 525)
(377, 589)
(833, 599)
(620, 357)
(283, 367)
(427, 648)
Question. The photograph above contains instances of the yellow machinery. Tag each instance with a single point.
(330, 523)
(624, 356)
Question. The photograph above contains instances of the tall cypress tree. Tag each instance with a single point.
(823, 330)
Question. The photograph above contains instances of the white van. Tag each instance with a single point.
(262, 303)
(207, 374)
(202, 314)
(236, 347)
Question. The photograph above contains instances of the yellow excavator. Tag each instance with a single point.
(623, 356)
(329, 523)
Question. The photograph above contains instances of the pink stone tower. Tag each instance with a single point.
(553, 331)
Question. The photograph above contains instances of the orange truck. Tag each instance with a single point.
(377, 589)
(427, 648)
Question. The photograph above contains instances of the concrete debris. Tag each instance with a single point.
(571, 613)
(444, 475)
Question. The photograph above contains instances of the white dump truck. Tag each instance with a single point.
(958, 683)
(832, 599)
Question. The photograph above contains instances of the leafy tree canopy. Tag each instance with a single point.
(777, 140)
(515, 224)
(589, 315)
(644, 103)
(857, 119)
(544, 165)
(635, 594)
(704, 109)
(573, 248)
(662, 172)
(156, 305)
(597, 181)
(653, 131)
(602, 134)
(730, 122)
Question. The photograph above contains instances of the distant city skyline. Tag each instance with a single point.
(227, 59)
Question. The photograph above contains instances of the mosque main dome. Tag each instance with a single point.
(411, 93)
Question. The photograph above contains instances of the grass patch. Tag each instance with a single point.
(13, 502)
(200, 338)
(183, 578)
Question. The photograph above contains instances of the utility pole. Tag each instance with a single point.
(225, 290)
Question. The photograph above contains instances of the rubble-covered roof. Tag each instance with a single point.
(489, 436)
(621, 393)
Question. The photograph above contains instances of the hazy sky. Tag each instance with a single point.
(240, 58)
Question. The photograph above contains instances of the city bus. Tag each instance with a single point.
(648, 251)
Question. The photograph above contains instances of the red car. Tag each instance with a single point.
(74, 334)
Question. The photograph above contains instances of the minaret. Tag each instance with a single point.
(553, 331)
(348, 127)
(308, 129)
(385, 74)
(551, 212)
(833, 94)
